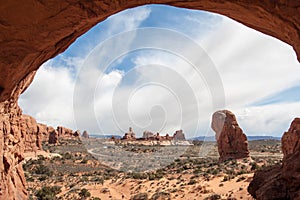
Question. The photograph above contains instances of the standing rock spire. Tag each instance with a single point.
(232, 142)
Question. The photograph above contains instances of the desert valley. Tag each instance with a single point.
(66, 168)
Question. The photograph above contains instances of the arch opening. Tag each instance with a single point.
(34, 32)
(261, 102)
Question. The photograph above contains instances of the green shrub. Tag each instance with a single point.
(42, 169)
(192, 182)
(213, 197)
(140, 196)
(84, 193)
(48, 193)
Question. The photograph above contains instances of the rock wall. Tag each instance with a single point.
(18, 134)
(29, 129)
(13, 137)
(281, 181)
(291, 139)
(232, 142)
(35, 31)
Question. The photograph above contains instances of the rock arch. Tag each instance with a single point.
(34, 32)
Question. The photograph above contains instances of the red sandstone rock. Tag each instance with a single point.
(232, 142)
(12, 146)
(64, 132)
(148, 135)
(76, 134)
(85, 134)
(53, 135)
(291, 139)
(33, 141)
(178, 135)
(130, 135)
(27, 43)
(281, 181)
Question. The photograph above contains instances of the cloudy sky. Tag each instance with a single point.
(161, 68)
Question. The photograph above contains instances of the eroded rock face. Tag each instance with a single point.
(281, 181)
(12, 145)
(232, 142)
(29, 129)
(53, 135)
(32, 33)
(291, 139)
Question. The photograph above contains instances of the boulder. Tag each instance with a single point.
(232, 142)
(281, 181)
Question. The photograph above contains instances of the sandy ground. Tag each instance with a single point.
(126, 188)
(35, 155)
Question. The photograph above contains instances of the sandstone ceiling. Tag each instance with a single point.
(35, 31)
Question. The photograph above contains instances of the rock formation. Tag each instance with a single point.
(232, 142)
(291, 139)
(76, 134)
(148, 135)
(281, 181)
(42, 132)
(178, 135)
(26, 44)
(33, 141)
(12, 145)
(53, 135)
(130, 135)
(85, 134)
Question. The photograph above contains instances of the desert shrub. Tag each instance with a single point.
(192, 182)
(213, 197)
(42, 169)
(43, 177)
(140, 196)
(84, 193)
(151, 176)
(67, 156)
(139, 175)
(48, 193)
(241, 172)
(215, 171)
(161, 195)
(241, 178)
(226, 178)
(254, 166)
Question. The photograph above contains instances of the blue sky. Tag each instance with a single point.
(158, 90)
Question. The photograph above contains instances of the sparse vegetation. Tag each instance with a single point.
(48, 193)
(80, 173)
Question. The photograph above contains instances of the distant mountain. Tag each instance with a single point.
(203, 138)
(250, 138)
(105, 136)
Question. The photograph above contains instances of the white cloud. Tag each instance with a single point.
(49, 97)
